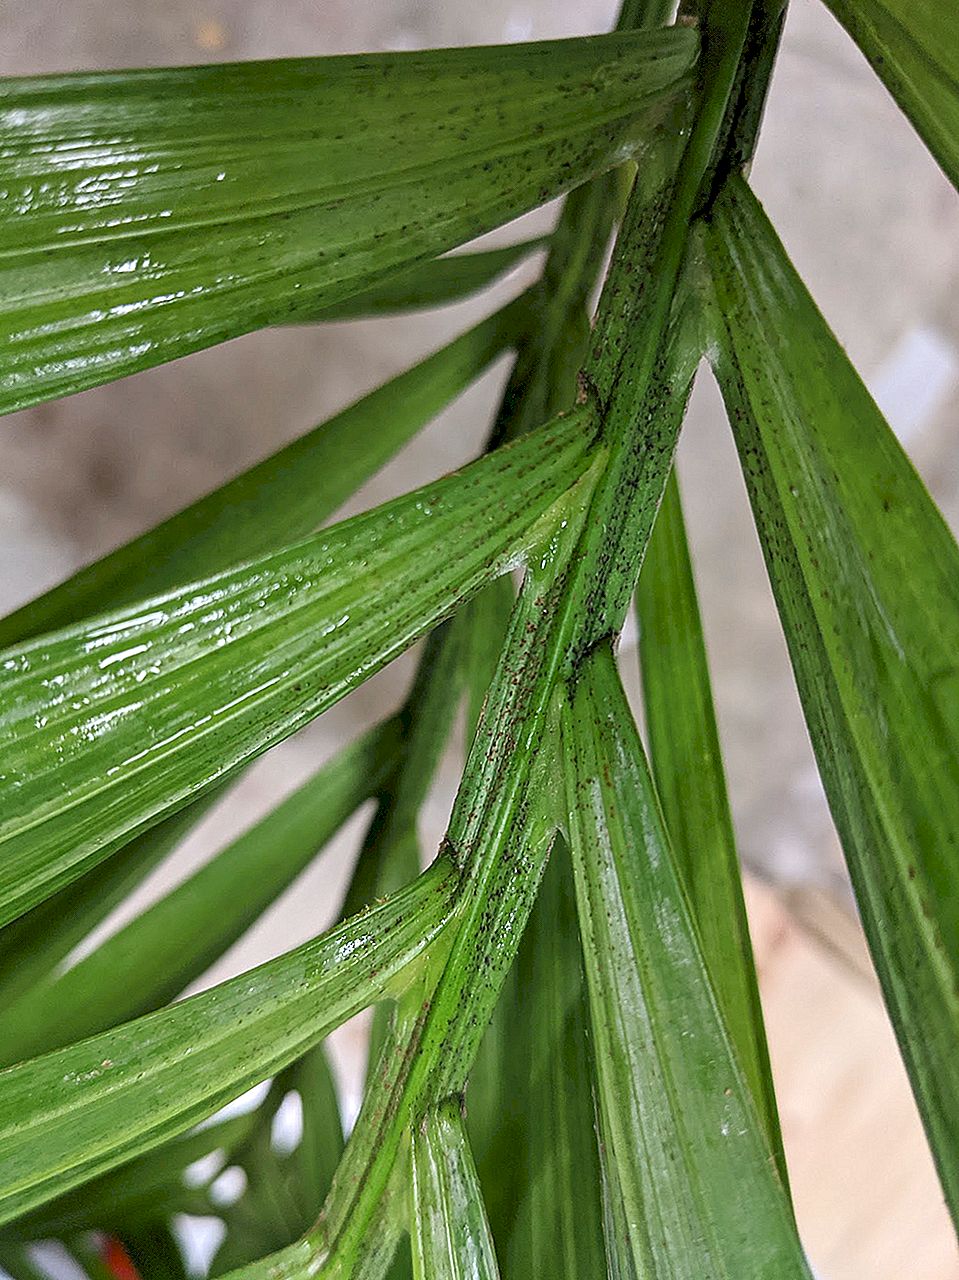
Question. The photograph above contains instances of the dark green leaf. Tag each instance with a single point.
(160, 952)
(499, 836)
(691, 784)
(531, 1085)
(32, 947)
(18, 1264)
(265, 1217)
(155, 1252)
(313, 1162)
(110, 725)
(285, 497)
(431, 283)
(390, 853)
(558, 1227)
(866, 577)
(698, 1183)
(485, 620)
(152, 213)
(543, 381)
(913, 45)
(80, 1111)
(284, 1190)
(140, 1192)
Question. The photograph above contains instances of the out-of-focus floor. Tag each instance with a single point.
(866, 1196)
(873, 226)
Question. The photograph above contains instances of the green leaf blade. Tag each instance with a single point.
(33, 946)
(284, 1191)
(866, 578)
(77, 1112)
(699, 1188)
(913, 46)
(284, 497)
(160, 952)
(153, 213)
(558, 1226)
(135, 712)
(313, 1162)
(430, 284)
(449, 1231)
(139, 1193)
(690, 781)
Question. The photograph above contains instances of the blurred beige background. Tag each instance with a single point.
(873, 226)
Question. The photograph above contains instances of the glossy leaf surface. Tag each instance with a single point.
(282, 498)
(431, 284)
(160, 952)
(449, 1231)
(77, 1112)
(530, 1097)
(152, 213)
(913, 45)
(499, 837)
(699, 1189)
(866, 577)
(33, 946)
(691, 785)
(132, 713)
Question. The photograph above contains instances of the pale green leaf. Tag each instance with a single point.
(449, 1231)
(431, 284)
(33, 946)
(282, 498)
(699, 1187)
(690, 781)
(140, 1192)
(161, 951)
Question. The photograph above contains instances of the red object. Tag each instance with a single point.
(116, 1259)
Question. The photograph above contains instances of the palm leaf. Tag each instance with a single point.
(142, 1192)
(284, 1190)
(913, 45)
(282, 498)
(155, 1249)
(557, 1226)
(450, 1234)
(690, 781)
(433, 283)
(79, 1111)
(686, 1146)
(152, 213)
(160, 952)
(33, 946)
(866, 577)
(136, 711)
